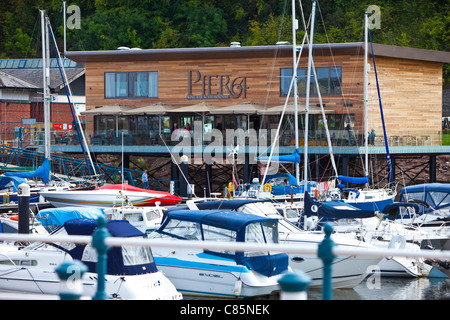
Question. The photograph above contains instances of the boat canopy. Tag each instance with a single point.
(393, 208)
(231, 204)
(215, 225)
(289, 158)
(334, 210)
(357, 180)
(51, 218)
(436, 195)
(281, 184)
(125, 260)
(42, 172)
(11, 181)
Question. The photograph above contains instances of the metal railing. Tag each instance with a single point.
(327, 250)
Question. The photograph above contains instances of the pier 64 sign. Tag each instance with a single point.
(215, 86)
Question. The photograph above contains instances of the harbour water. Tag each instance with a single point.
(385, 288)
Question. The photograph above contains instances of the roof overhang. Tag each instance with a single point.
(253, 52)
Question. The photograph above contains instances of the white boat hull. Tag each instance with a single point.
(98, 198)
(194, 275)
(348, 272)
(34, 273)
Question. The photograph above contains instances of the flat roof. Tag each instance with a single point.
(254, 51)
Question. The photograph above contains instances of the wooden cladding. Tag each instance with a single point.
(223, 83)
(411, 90)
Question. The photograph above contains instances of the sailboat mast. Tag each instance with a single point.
(366, 125)
(308, 85)
(294, 76)
(46, 82)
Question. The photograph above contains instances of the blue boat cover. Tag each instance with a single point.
(56, 217)
(116, 264)
(334, 210)
(42, 172)
(294, 157)
(397, 205)
(230, 220)
(266, 264)
(436, 195)
(232, 204)
(6, 181)
(357, 180)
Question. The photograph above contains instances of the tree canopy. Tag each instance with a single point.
(108, 24)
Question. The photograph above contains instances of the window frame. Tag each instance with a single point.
(112, 85)
(334, 87)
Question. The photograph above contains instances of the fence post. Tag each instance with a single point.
(98, 242)
(294, 286)
(325, 253)
(70, 274)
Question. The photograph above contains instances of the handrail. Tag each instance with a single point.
(237, 246)
(327, 250)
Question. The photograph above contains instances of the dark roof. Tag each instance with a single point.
(33, 77)
(253, 51)
(9, 81)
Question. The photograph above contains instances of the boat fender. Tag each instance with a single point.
(14, 217)
(230, 189)
(397, 239)
(237, 288)
(267, 187)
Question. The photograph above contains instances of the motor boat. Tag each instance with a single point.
(371, 227)
(433, 213)
(145, 219)
(220, 273)
(110, 196)
(131, 271)
(348, 271)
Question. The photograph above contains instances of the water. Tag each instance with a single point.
(384, 289)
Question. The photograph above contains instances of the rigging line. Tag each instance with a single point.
(179, 168)
(68, 91)
(388, 156)
(281, 119)
(274, 59)
(340, 81)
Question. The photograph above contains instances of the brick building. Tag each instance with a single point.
(21, 100)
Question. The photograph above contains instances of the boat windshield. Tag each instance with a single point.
(261, 233)
(179, 229)
(259, 207)
(133, 255)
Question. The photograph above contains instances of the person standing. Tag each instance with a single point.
(145, 179)
(372, 137)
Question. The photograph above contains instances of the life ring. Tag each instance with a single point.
(397, 239)
(14, 217)
(267, 187)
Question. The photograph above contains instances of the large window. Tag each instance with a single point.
(131, 84)
(329, 79)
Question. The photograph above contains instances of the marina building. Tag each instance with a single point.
(410, 82)
(134, 100)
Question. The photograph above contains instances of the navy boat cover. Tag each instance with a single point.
(266, 263)
(117, 261)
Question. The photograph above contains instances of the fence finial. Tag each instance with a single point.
(325, 253)
(98, 242)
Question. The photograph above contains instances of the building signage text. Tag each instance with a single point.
(219, 86)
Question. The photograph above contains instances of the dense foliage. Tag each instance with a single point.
(108, 24)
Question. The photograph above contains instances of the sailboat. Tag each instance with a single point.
(367, 198)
